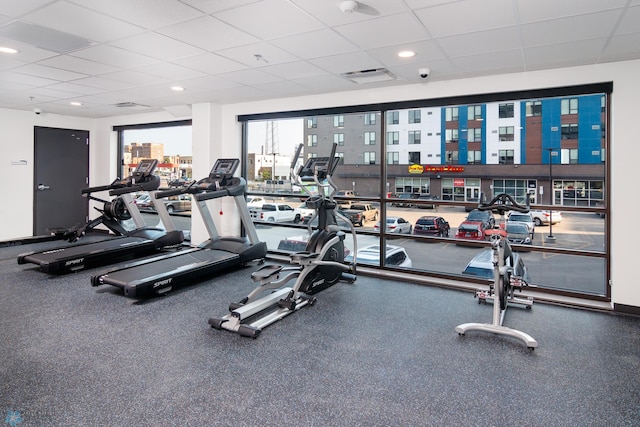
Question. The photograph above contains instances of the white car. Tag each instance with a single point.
(525, 218)
(303, 213)
(396, 256)
(396, 224)
(255, 202)
(541, 217)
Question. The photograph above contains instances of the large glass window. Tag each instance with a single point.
(446, 176)
(170, 144)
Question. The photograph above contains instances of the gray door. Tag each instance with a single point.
(61, 171)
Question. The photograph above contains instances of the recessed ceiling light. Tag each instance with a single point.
(177, 88)
(8, 50)
(75, 103)
(406, 54)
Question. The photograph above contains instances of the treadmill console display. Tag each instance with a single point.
(320, 164)
(224, 168)
(145, 167)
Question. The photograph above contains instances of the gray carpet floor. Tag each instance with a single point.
(374, 353)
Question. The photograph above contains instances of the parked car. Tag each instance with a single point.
(525, 218)
(541, 217)
(304, 213)
(482, 266)
(255, 202)
(472, 230)
(431, 226)
(484, 216)
(143, 203)
(396, 256)
(179, 203)
(347, 194)
(424, 197)
(273, 212)
(406, 200)
(518, 233)
(395, 224)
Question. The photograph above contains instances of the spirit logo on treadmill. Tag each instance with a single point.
(74, 262)
(162, 283)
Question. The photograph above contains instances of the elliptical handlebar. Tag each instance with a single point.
(504, 202)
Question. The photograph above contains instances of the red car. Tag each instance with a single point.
(471, 230)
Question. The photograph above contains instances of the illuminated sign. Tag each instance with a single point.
(444, 168)
(416, 169)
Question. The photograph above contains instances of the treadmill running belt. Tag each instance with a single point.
(166, 274)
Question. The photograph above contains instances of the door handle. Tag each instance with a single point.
(43, 187)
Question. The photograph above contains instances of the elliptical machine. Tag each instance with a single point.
(505, 282)
(318, 267)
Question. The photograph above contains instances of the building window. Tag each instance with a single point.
(414, 116)
(506, 133)
(569, 106)
(311, 155)
(369, 157)
(370, 119)
(312, 140)
(393, 117)
(414, 157)
(338, 121)
(369, 138)
(338, 138)
(505, 111)
(533, 108)
(569, 131)
(451, 157)
(451, 114)
(505, 157)
(474, 157)
(414, 137)
(393, 138)
(451, 135)
(474, 112)
(393, 158)
(341, 156)
(569, 156)
(312, 122)
(474, 135)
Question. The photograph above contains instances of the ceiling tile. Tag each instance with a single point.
(270, 19)
(73, 19)
(114, 56)
(149, 14)
(208, 33)
(367, 34)
(466, 17)
(157, 46)
(315, 44)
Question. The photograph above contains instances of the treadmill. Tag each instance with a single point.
(161, 274)
(140, 241)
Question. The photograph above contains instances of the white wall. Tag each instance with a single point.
(16, 145)
(217, 134)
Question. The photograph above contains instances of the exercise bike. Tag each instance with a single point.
(505, 282)
(318, 267)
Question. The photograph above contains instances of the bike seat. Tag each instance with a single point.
(265, 272)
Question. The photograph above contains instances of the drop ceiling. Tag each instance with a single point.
(120, 57)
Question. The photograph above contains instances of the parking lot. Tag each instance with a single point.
(577, 231)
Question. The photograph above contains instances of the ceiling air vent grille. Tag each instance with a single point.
(130, 105)
(373, 75)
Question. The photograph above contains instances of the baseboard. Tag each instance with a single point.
(626, 309)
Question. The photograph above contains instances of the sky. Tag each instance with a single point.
(177, 140)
